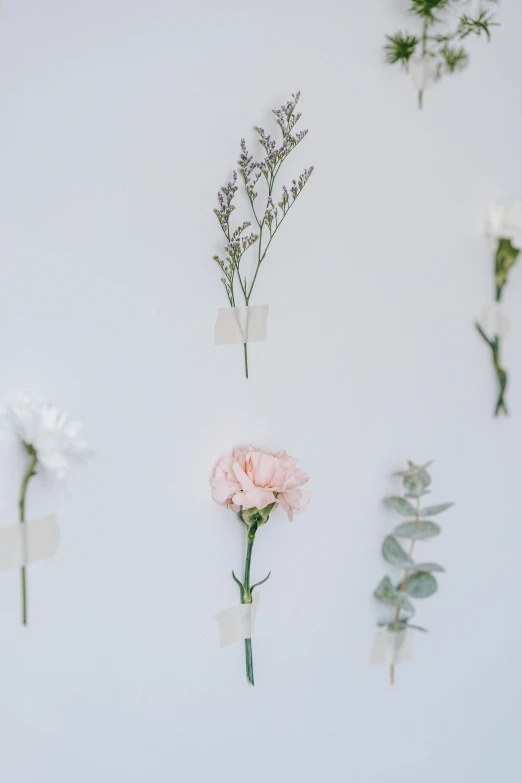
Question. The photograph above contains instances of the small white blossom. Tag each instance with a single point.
(504, 221)
(55, 438)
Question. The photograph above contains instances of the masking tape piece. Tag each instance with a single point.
(423, 73)
(239, 325)
(392, 647)
(29, 542)
(494, 321)
(238, 622)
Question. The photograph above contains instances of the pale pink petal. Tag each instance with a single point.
(222, 487)
(264, 466)
(293, 502)
(244, 481)
(256, 497)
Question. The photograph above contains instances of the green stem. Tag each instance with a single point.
(247, 599)
(246, 359)
(249, 661)
(501, 377)
(403, 584)
(23, 492)
(424, 52)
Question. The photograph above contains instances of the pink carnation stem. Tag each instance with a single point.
(247, 599)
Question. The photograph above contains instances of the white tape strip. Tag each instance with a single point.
(494, 321)
(392, 647)
(238, 622)
(238, 325)
(423, 73)
(26, 543)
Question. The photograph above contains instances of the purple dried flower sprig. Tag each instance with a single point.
(268, 219)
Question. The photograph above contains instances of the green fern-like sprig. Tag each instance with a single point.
(400, 48)
(436, 44)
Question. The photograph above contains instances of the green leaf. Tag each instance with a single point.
(402, 625)
(401, 505)
(423, 529)
(393, 552)
(261, 582)
(504, 260)
(430, 511)
(430, 567)
(386, 593)
(421, 585)
(400, 48)
(426, 9)
(455, 58)
(415, 483)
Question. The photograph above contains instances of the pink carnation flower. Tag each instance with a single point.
(253, 478)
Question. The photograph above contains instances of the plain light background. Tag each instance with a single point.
(119, 121)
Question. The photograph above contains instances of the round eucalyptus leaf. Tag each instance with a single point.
(430, 511)
(430, 567)
(401, 505)
(421, 585)
(423, 529)
(386, 593)
(415, 483)
(393, 552)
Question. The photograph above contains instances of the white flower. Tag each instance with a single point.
(54, 437)
(504, 221)
(423, 72)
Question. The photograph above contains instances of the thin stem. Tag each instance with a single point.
(249, 661)
(403, 583)
(262, 257)
(502, 375)
(247, 599)
(31, 471)
(246, 359)
(424, 53)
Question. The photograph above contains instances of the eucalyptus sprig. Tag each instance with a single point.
(268, 217)
(436, 49)
(417, 580)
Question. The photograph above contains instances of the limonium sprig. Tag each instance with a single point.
(417, 580)
(436, 49)
(267, 216)
(252, 482)
(53, 444)
(504, 225)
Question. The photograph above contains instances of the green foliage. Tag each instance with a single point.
(454, 59)
(386, 593)
(427, 9)
(417, 529)
(421, 585)
(430, 567)
(393, 552)
(444, 24)
(505, 257)
(417, 579)
(430, 511)
(504, 260)
(400, 48)
(401, 505)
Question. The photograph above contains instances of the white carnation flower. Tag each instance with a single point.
(504, 221)
(54, 437)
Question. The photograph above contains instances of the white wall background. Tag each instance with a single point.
(119, 121)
